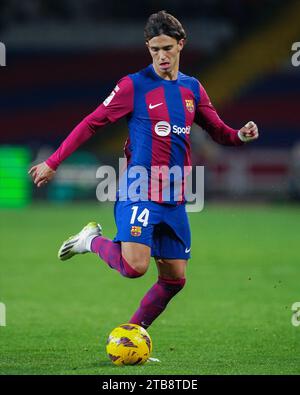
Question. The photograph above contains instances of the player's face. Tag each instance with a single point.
(165, 51)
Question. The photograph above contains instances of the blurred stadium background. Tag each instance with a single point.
(63, 59)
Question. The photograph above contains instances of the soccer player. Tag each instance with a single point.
(160, 104)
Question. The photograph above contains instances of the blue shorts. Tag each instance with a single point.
(164, 228)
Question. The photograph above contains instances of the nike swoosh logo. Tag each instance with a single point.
(151, 106)
(187, 250)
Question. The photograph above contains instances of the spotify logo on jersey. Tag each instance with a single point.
(162, 128)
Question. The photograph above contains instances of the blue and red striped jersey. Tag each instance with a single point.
(160, 114)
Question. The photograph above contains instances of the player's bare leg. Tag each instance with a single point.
(137, 255)
(173, 269)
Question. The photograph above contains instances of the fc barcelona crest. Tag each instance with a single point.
(189, 105)
(136, 231)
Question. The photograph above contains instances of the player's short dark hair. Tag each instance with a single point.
(163, 23)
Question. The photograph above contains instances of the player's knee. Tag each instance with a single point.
(137, 257)
(175, 284)
(139, 266)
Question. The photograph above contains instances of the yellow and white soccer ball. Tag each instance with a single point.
(129, 344)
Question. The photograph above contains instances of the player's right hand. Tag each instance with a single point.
(249, 132)
(41, 174)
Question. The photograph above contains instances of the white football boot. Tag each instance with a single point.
(153, 359)
(79, 244)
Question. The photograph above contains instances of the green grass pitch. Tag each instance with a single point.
(233, 316)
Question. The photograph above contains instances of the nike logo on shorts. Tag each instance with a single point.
(187, 250)
(151, 106)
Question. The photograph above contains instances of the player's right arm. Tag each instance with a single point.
(118, 104)
(208, 118)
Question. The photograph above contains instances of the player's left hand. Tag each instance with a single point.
(41, 174)
(249, 132)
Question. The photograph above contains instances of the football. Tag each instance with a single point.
(129, 344)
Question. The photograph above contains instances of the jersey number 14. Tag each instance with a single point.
(143, 217)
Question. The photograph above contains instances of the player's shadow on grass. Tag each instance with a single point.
(100, 365)
(94, 365)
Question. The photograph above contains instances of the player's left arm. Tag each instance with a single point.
(118, 104)
(208, 118)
